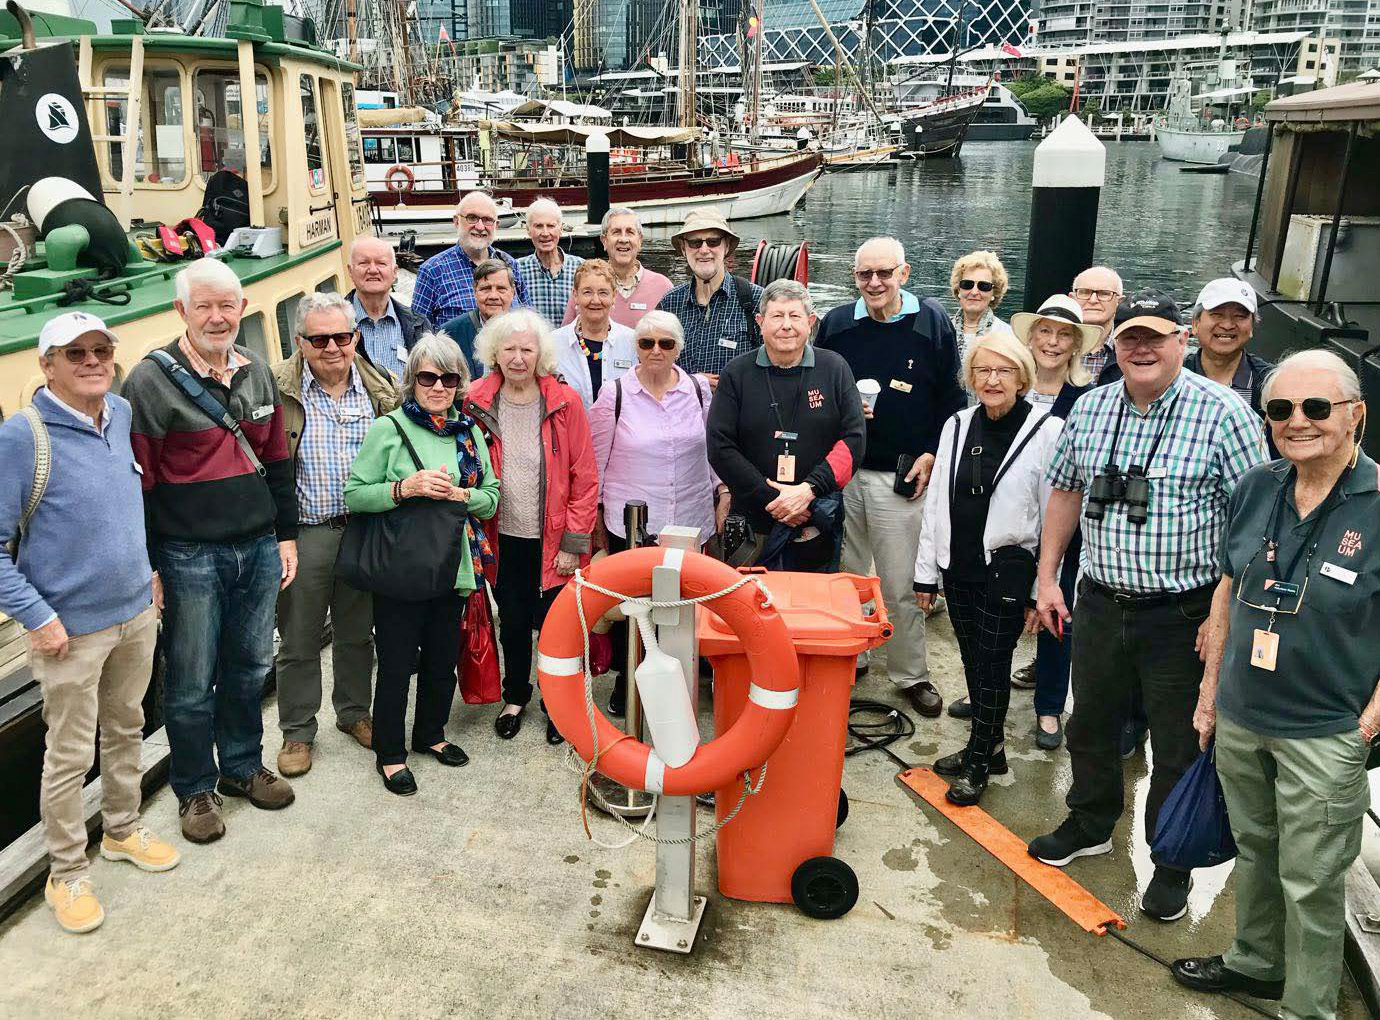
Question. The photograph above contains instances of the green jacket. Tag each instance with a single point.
(383, 460)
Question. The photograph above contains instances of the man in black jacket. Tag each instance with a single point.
(786, 434)
(387, 327)
(903, 348)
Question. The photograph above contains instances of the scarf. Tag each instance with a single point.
(470, 471)
(983, 327)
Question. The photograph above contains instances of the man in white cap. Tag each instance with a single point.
(1223, 322)
(68, 479)
(716, 309)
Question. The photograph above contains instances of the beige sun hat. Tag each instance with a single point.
(705, 219)
(1065, 309)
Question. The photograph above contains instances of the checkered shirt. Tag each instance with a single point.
(1212, 440)
(1096, 361)
(445, 285)
(549, 293)
(716, 333)
(382, 338)
(332, 434)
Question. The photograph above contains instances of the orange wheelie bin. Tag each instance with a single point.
(779, 848)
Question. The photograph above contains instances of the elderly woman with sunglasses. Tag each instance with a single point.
(979, 282)
(649, 443)
(593, 349)
(423, 636)
(1290, 688)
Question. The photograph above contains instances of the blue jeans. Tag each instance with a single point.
(218, 634)
(1053, 656)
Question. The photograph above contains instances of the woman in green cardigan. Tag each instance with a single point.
(424, 634)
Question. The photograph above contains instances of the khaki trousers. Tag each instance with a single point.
(1296, 807)
(101, 682)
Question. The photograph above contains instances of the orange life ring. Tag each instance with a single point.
(745, 745)
(389, 179)
(1241, 124)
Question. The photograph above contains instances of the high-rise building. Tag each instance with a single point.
(1354, 24)
(524, 19)
(612, 35)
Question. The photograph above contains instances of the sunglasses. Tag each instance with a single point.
(983, 285)
(863, 275)
(1279, 409)
(320, 340)
(703, 242)
(450, 380)
(77, 355)
(646, 343)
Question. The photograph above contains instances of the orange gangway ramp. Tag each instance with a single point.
(1081, 906)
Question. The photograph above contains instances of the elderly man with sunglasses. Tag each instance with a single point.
(91, 619)
(906, 346)
(445, 284)
(330, 398)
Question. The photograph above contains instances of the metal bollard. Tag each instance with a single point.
(1070, 168)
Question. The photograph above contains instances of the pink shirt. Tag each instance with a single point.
(651, 288)
(656, 453)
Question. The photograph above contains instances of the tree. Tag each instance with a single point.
(1091, 111)
(1046, 101)
(823, 75)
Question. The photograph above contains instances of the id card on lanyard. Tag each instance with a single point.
(785, 460)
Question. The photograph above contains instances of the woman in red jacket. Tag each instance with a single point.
(540, 446)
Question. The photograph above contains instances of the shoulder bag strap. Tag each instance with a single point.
(198, 394)
(743, 288)
(1011, 458)
(953, 459)
(407, 443)
(43, 461)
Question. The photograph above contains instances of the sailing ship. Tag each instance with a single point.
(1186, 137)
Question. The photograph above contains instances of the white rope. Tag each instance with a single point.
(17, 260)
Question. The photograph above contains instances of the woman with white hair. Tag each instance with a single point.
(1289, 688)
(593, 350)
(425, 449)
(983, 513)
(649, 444)
(549, 489)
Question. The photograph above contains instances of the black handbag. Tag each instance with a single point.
(410, 553)
(1011, 574)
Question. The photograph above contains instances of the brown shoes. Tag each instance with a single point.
(361, 729)
(201, 821)
(263, 789)
(295, 758)
(924, 698)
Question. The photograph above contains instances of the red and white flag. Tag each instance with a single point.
(441, 35)
(1006, 47)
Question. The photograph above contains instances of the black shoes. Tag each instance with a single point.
(450, 754)
(402, 783)
(1067, 843)
(618, 699)
(507, 726)
(1166, 897)
(1024, 678)
(961, 709)
(924, 699)
(1049, 741)
(553, 735)
(1210, 974)
(966, 789)
(952, 764)
(1132, 738)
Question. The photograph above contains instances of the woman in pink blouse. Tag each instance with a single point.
(649, 444)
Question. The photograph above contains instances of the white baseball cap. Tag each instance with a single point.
(1225, 291)
(61, 330)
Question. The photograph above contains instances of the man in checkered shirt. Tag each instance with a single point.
(1147, 587)
(549, 272)
(445, 283)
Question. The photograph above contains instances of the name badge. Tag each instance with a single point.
(138, 468)
(903, 387)
(1264, 650)
(785, 468)
(638, 306)
(1157, 472)
(401, 352)
(724, 341)
(788, 437)
(1286, 588)
(348, 417)
(1338, 573)
(263, 411)
(622, 364)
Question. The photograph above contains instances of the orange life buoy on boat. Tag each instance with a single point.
(745, 745)
(399, 178)
(1242, 124)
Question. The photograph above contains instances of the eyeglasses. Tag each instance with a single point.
(646, 343)
(1278, 409)
(995, 373)
(450, 380)
(474, 219)
(321, 340)
(983, 285)
(1089, 294)
(863, 275)
(704, 242)
(1130, 343)
(77, 355)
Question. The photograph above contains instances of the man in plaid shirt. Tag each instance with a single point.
(1150, 463)
(548, 272)
(445, 283)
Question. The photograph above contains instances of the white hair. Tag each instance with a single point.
(442, 352)
(369, 238)
(1316, 357)
(542, 204)
(209, 274)
(897, 249)
(469, 195)
(660, 322)
(500, 328)
(1120, 287)
(1004, 345)
(613, 214)
(786, 290)
(321, 301)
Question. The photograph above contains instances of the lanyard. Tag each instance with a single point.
(1154, 448)
(1276, 523)
(784, 433)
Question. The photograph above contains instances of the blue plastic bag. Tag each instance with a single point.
(1193, 830)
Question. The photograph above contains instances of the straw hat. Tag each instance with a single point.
(704, 219)
(1064, 309)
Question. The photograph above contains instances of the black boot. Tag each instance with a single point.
(966, 789)
(952, 764)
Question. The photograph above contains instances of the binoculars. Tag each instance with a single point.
(1112, 485)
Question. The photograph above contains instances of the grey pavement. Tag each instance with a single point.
(480, 897)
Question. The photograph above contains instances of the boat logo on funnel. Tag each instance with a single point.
(57, 118)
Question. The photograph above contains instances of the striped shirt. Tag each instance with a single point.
(549, 292)
(445, 285)
(716, 333)
(1096, 360)
(1210, 440)
(332, 433)
(382, 339)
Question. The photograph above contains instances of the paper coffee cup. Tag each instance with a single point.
(868, 389)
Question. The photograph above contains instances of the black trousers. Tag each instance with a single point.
(522, 608)
(427, 635)
(987, 629)
(1122, 646)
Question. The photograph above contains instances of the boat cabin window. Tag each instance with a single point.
(378, 150)
(347, 99)
(286, 316)
(160, 156)
(254, 335)
(220, 123)
(311, 123)
(407, 150)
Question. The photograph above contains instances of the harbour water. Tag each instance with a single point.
(1156, 226)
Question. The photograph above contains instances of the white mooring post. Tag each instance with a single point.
(1070, 169)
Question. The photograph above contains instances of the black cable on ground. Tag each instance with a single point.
(877, 734)
(1239, 1000)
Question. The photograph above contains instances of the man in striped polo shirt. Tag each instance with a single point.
(1149, 462)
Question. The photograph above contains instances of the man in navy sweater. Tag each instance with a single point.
(91, 619)
(905, 345)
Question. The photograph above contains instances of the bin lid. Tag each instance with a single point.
(823, 612)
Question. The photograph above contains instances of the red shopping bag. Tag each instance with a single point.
(478, 665)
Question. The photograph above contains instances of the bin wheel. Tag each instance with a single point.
(843, 809)
(824, 888)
